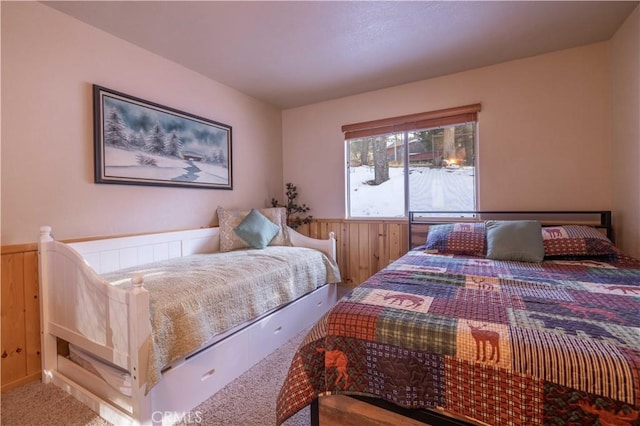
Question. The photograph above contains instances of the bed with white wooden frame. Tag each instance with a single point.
(79, 307)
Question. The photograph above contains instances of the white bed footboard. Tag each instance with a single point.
(81, 308)
(78, 306)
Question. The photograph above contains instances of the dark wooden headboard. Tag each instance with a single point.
(419, 221)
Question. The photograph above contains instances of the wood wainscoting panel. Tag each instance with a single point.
(20, 312)
(14, 345)
(32, 313)
(363, 246)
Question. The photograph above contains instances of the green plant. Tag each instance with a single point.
(294, 220)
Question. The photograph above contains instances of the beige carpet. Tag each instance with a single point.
(248, 401)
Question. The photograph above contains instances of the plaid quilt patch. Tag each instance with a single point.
(493, 395)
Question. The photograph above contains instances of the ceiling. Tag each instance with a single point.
(294, 53)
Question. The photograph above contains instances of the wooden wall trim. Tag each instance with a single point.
(364, 246)
(363, 220)
(19, 248)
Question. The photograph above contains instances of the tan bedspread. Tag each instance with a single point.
(196, 297)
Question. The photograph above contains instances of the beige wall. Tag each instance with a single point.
(49, 62)
(625, 59)
(544, 130)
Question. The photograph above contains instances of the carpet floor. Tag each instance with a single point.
(250, 400)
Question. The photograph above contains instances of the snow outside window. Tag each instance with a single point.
(436, 173)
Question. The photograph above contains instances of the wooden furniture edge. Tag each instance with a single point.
(426, 416)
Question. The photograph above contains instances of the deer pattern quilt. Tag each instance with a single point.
(504, 343)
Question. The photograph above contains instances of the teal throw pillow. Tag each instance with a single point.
(256, 230)
(518, 240)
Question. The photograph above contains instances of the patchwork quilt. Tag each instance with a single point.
(503, 343)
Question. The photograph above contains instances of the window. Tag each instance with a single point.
(421, 162)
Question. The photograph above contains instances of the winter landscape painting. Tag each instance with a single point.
(143, 143)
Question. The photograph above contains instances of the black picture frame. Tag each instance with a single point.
(138, 142)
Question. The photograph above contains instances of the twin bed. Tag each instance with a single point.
(142, 329)
(486, 322)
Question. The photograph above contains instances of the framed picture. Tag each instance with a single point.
(138, 142)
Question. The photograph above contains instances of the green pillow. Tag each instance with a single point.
(256, 230)
(519, 240)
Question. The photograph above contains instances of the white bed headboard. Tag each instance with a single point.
(111, 254)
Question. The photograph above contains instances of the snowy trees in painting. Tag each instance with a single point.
(173, 147)
(155, 142)
(115, 133)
